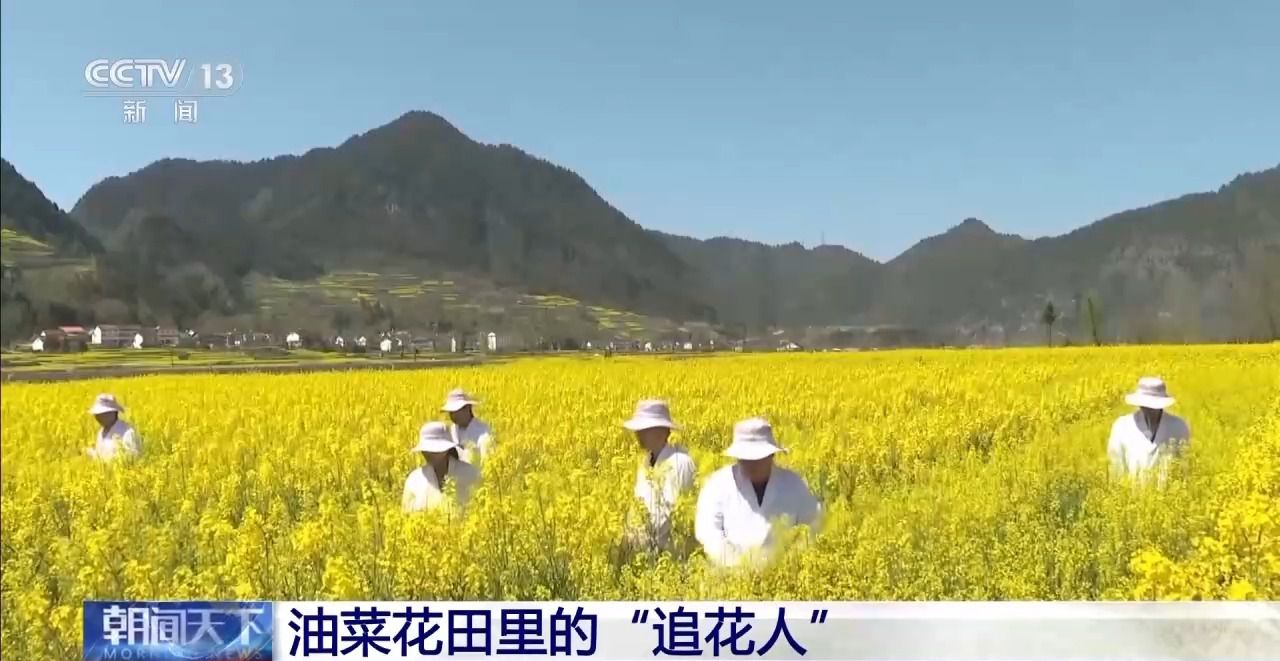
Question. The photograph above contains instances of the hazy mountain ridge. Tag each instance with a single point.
(418, 191)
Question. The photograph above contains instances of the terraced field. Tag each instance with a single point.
(419, 300)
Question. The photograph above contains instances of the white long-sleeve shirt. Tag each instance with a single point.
(476, 440)
(121, 440)
(1134, 451)
(731, 522)
(659, 486)
(423, 491)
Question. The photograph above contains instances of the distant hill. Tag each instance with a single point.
(757, 286)
(419, 191)
(42, 252)
(954, 276)
(25, 210)
(1201, 266)
(418, 198)
(1206, 264)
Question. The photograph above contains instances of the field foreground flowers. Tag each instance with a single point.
(944, 475)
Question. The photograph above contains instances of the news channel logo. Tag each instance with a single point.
(177, 630)
(161, 77)
(138, 81)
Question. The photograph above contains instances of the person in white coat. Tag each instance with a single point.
(1146, 440)
(427, 487)
(116, 438)
(666, 472)
(740, 503)
(474, 437)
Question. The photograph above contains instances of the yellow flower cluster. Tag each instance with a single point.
(943, 474)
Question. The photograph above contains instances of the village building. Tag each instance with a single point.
(164, 336)
(251, 339)
(187, 338)
(61, 339)
(74, 338)
(216, 340)
(111, 336)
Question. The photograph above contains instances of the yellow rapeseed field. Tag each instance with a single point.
(944, 475)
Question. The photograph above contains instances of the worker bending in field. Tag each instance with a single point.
(116, 438)
(739, 503)
(427, 487)
(473, 436)
(666, 471)
(1145, 440)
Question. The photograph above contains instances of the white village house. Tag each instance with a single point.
(492, 341)
(385, 345)
(362, 341)
(293, 340)
(37, 344)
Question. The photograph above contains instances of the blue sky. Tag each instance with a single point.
(870, 124)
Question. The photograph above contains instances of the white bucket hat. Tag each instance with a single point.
(753, 439)
(456, 400)
(105, 403)
(651, 413)
(435, 437)
(1151, 393)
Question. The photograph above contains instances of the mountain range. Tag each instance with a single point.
(419, 194)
